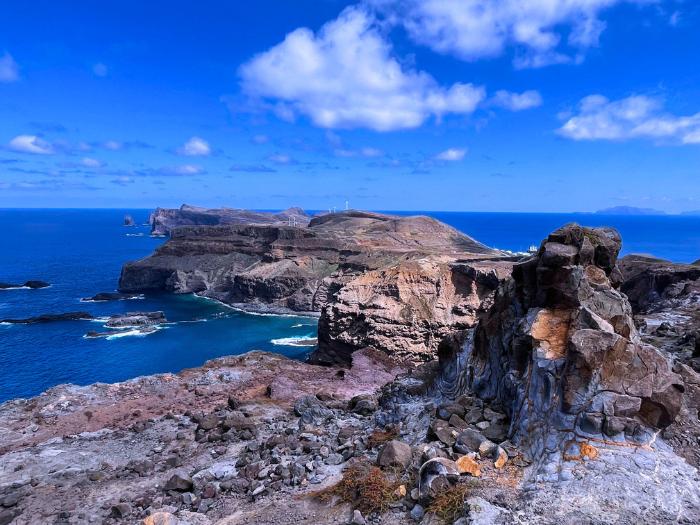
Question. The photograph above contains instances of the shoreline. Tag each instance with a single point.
(258, 308)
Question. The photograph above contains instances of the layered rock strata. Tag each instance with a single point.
(408, 309)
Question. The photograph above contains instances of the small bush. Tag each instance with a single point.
(449, 505)
(364, 486)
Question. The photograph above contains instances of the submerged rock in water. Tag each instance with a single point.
(117, 333)
(112, 296)
(50, 318)
(34, 285)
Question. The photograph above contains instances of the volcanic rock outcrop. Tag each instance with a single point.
(559, 350)
(163, 220)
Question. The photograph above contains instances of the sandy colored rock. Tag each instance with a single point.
(467, 465)
(161, 518)
(501, 458)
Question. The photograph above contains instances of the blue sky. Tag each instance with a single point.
(539, 105)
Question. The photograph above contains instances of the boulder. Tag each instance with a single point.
(179, 482)
(161, 518)
(468, 465)
(310, 408)
(395, 454)
(436, 475)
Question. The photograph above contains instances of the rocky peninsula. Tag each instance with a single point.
(452, 383)
(163, 220)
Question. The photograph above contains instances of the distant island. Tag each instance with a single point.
(691, 213)
(629, 210)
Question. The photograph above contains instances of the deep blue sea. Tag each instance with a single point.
(80, 252)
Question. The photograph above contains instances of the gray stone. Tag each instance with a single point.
(357, 518)
(395, 453)
(471, 438)
(417, 512)
(180, 482)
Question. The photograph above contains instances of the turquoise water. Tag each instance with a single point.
(80, 252)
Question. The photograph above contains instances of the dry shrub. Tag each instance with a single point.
(363, 485)
(449, 505)
(379, 437)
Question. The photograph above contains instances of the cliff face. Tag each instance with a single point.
(651, 282)
(407, 309)
(560, 351)
(164, 220)
(289, 267)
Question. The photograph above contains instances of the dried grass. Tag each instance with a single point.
(379, 437)
(449, 505)
(363, 485)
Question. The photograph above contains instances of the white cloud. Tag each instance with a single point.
(517, 101)
(100, 69)
(185, 169)
(280, 158)
(90, 162)
(363, 152)
(346, 77)
(260, 139)
(9, 71)
(31, 144)
(113, 145)
(195, 147)
(122, 180)
(476, 29)
(633, 117)
(371, 152)
(452, 154)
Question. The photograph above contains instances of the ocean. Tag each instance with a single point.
(80, 252)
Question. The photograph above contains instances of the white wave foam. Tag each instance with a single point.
(295, 341)
(133, 333)
(16, 288)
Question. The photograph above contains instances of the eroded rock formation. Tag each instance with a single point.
(559, 350)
